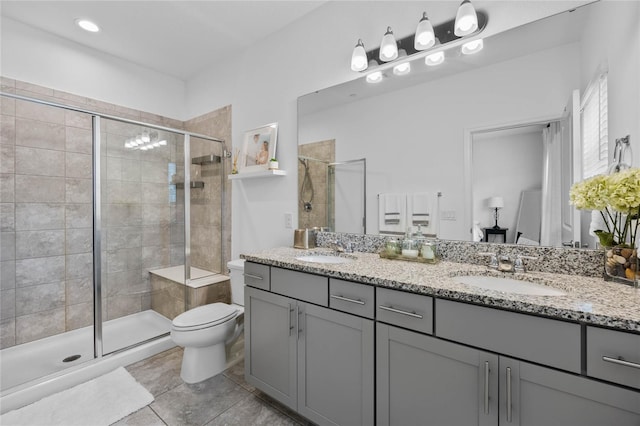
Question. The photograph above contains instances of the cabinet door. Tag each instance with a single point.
(270, 344)
(422, 380)
(533, 395)
(335, 367)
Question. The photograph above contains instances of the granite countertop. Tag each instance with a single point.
(587, 300)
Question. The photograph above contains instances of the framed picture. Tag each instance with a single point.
(258, 147)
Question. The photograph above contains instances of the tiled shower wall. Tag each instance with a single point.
(326, 152)
(46, 214)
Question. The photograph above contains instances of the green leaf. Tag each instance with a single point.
(606, 238)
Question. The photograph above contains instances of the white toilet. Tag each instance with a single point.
(204, 331)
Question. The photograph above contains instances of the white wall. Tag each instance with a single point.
(423, 149)
(610, 22)
(37, 57)
(505, 166)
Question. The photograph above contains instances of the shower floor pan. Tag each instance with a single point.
(30, 361)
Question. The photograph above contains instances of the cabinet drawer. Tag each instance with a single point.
(542, 340)
(300, 285)
(256, 275)
(351, 297)
(613, 356)
(408, 310)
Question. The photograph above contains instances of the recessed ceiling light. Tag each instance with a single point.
(87, 25)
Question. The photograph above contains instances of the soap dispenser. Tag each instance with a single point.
(410, 247)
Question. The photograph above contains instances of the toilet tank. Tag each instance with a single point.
(236, 271)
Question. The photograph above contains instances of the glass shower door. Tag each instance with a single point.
(347, 189)
(142, 253)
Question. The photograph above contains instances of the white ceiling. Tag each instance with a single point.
(178, 38)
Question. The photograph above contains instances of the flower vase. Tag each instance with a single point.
(621, 265)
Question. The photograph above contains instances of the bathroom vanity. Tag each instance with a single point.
(319, 335)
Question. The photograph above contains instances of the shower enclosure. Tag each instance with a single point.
(332, 194)
(92, 205)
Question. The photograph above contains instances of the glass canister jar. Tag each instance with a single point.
(410, 248)
(392, 247)
(428, 250)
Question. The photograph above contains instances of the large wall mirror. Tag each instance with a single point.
(475, 128)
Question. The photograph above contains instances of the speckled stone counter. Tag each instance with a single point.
(587, 300)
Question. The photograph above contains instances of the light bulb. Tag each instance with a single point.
(374, 77)
(359, 57)
(388, 47)
(434, 59)
(466, 19)
(145, 137)
(403, 67)
(425, 37)
(472, 47)
(163, 142)
(87, 25)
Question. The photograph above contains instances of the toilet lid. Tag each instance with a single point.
(210, 315)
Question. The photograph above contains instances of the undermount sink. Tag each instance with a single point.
(508, 285)
(321, 258)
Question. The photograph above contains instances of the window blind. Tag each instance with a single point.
(594, 123)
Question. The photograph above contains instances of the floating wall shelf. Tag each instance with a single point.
(260, 174)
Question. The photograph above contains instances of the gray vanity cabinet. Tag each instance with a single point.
(532, 395)
(315, 360)
(422, 380)
(270, 345)
(335, 367)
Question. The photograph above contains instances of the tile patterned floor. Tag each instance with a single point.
(226, 399)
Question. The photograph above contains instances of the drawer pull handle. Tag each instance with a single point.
(346, 299)
(290, 324)
(509, 396)
(621, 361)
(486, 387)
(398, 311)
(255, 277)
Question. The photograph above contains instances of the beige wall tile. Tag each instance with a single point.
(38, 298)
(7, 187)
(78, 190)
(7, 217)
(70, 99)
(119, 192)
(7, 129)
(78, 316)
(79, 215)
(38, 216)
(33, 88)
(155, 193)
(42, 324)
(153, 214)
(8, 274)
(155, 257)
(40, 270)
(7, 333)
(39, 162)
(79, 265)
(79, 165)
(7, 246)
(124, 260)
(78, 140)
(7, 159)
(123, 215)
(39, 189)
(39, 134)
(154, 172)
(7, 304)
(157, 235)
(79, 291)
(124, 237)
(120, 306)
(131, 170)
(78, 119)
(79, 240)
(7, 105)
(30, 244)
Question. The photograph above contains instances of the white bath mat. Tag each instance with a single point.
(101, 401)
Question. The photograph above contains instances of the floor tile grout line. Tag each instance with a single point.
(157, 415)
(228, 408)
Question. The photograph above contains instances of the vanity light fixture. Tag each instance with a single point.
(388, 47)
(434, 59)
(403, 67)
(474, 46)
(425, 37)
(374, 77)
(87, 25)
(359, 57)
(466, 19)
(145, 141)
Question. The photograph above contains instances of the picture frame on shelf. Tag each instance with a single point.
(258, 147)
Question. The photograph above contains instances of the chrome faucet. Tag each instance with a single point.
(345, 247)
(503, 263)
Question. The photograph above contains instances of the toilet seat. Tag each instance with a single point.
(204, 317)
